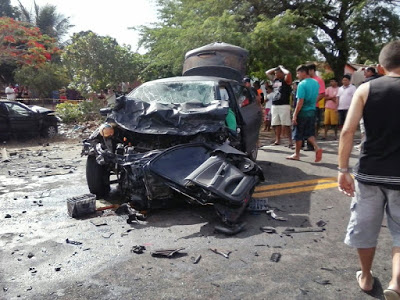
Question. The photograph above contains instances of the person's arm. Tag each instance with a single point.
(354, 115)
(299, 105)
(270, 73)
(288, 75)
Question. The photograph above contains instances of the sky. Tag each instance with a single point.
(110, 18)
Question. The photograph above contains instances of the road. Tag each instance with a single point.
(37, 263)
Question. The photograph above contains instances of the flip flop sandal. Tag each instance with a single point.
(358, 276)
(391, 294)
(292, 158)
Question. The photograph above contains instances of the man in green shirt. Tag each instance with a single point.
(304, 113)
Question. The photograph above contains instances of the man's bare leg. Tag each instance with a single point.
(313, 142)
(326, 131)
(278, 131)
(289, 134)
(394, 284)
(366, 257)
(335, 128)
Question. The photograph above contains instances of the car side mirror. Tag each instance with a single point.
(105, 111)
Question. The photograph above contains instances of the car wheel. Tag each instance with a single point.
(50, 131)
(97, 177)
(252, 152)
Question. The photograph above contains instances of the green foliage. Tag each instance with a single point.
(96, 62)
(47, 78)
(83, 111)
(68, 112)
(7, 10)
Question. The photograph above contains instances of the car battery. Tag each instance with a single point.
(81, 205)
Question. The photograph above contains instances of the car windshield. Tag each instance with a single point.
(175, 92)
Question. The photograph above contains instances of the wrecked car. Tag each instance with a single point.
(18, 119)
(183, 136)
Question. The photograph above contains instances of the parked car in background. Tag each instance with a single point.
(19, 120)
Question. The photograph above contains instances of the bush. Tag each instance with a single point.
(84, 111)
(69, 112)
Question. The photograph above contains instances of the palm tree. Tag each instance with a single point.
(47, 19)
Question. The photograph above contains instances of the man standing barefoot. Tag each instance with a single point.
(304, 113)
(376, 188)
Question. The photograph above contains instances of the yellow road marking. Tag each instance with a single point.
(292, 184)
(294, 187)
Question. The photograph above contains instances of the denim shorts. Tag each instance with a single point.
(367, 210)
(304, 129)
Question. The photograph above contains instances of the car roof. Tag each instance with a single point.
(192, 78)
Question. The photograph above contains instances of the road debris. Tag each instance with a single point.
(30, 255)
(321, 223)
(268, 229)
(166, 252)
(7, 216)
(224, 254)
(258, 205)
(99, 222)
(107, 235)
(196, 259)
(274, 216)
(68, 241)
(322, 281)
(133, 215)
(81, 205)
(289, 231)
(275, 257)
(138, 249)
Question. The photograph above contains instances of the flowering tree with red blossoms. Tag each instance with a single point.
(23, 44)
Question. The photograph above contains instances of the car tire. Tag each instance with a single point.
(50, 131)
(252, 152)
(97, 177)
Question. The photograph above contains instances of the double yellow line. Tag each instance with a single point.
(263, 191)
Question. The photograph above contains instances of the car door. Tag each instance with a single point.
(22, 120)
(5, 129)
(251, 115)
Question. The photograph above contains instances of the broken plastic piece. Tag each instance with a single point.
(258, 204)
(138, 249)
(275, 257)
(289, 231)
(226, 255)
(166, 252)
(321, 223)
(231, 230)
(273, 215)
(195, 260)
(268, 229)
(68, 241)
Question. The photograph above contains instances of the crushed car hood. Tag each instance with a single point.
(41, 110)
(188, 118)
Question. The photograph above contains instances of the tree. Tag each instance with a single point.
(95, 62)
(47, 78)
(22, 44)
(342, 28)
(7, 10)
(187, 24)
(47, 19)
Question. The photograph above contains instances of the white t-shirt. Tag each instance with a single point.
(10, 96)
(345, 95)
(270, 96)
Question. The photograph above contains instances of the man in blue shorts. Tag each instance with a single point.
(376, 188)
(304, 113)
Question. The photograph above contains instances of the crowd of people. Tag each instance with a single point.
(15, 91)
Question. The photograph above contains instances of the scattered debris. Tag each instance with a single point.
(321, 223)
(231, 230)
(289, 231)
(107, 235)
(322, 281)
(328, 207)
(138, 249)
(57, 269)
(81, 205)
(166, 252)
(215, 284)
(257, 205)
(98, 222)
(7, 216)
(196, 259)
(30, 255)
(303, 291)
(68, 241)
(275, 257)
(268, 229)
(5, 289)
(133, 215)
(224, 254)
(273, 215)
(327, 269)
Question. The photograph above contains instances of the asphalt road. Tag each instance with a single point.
(37, 263)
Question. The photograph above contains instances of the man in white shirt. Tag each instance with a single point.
(344, 96)
(10, 92)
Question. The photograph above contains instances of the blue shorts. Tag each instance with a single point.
(304, 129)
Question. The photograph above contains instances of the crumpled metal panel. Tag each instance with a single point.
(171, 119)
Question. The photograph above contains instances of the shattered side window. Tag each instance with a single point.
(175, 92)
